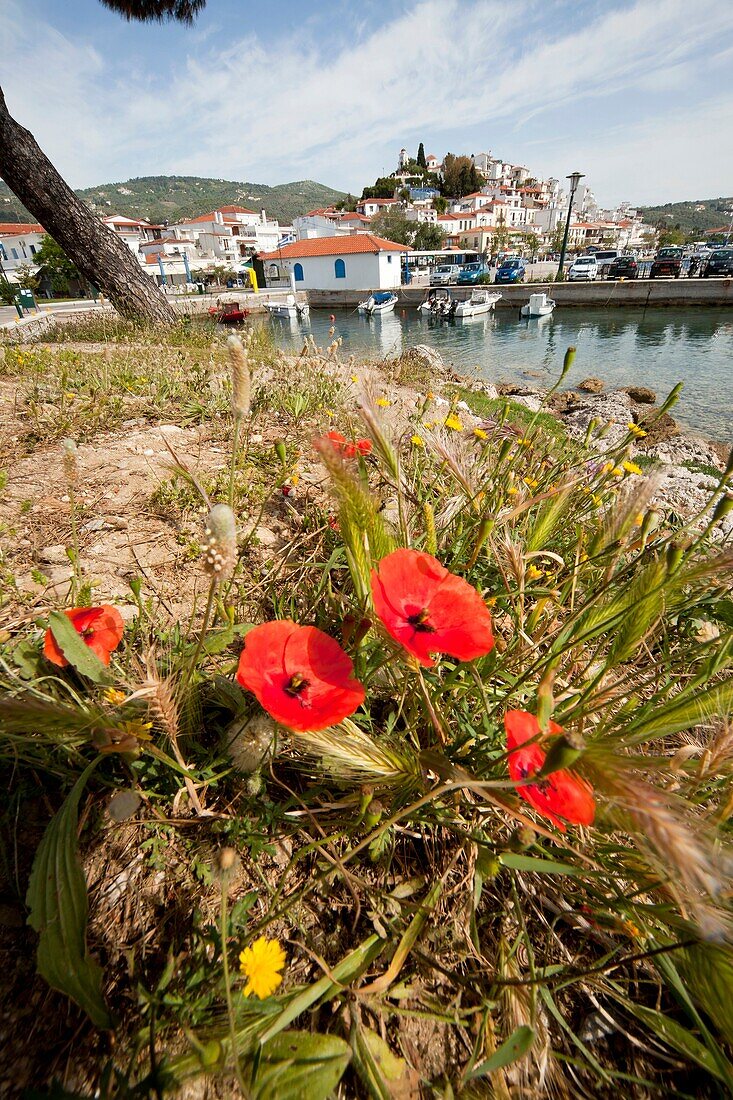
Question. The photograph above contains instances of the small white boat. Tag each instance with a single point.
(382, 301)
(438, 303)
(481, 301)
(539, 305)
(291, 307)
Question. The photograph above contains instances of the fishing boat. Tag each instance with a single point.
(228, 313)
(290, 307)
(382, 301)
(481, 301)
(439, 303)
(539, 305)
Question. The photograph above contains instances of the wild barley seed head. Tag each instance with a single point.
(240, 376)
(71, 465)
(220, 551)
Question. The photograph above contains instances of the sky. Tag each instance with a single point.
(637, 94)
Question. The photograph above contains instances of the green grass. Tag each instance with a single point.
(436, 926)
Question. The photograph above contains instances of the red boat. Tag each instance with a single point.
(230, 313)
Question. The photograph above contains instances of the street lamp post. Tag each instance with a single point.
(575, 178)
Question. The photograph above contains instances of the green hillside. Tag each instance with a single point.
(699, 214)
(170, 198)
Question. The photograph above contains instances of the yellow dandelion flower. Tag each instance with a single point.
(618, 471)
(355, 378)
(453, 423)
(631, 468)
(71, 395)
(114, 696)
(606, 468)
(524, 442)
(596, 499)
(383, 402)
(294, 478)
(139, 730)
(583, 557)
(533, 573)
(261, 965)
(328, 412)
(530, 482)
(430, 396)
(479, 433)
(512, 490)
(417, 441)
(427, 424)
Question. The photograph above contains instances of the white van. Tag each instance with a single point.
(445, 275)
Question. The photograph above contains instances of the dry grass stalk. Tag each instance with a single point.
(241, 378)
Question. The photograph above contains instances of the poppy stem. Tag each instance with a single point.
(76, 579)
(202, 633)
(437, 724)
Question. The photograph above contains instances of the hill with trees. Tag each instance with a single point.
(170, 198)
(695, 216)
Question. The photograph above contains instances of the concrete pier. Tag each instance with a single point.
(639, 293)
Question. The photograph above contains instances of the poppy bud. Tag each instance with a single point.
(567, 361)
(649, 523)
(562, 753)
(348, 624)
(220, 555)
(672, 399)
(723, 507)
(280, 451)
(545, 700)
(362, 630)
(373, 813)
(240, 376)
(71, 468)
(504, 449)
(674, 555)
(431, 539)
(522, 838)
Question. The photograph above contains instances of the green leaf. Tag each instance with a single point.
(75, 650)
(57, 899)
(296, 1065)
(384, 1074)
(514, 1048)
(682, 713)
(678, 1037)
(517, 862)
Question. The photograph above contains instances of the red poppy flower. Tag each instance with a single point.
(100, 627)
(300, 675)
(561, 796)
(429, 610)
(346, 449)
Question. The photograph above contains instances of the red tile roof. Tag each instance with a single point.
(236, 210)
(18, 228)
(335, 246)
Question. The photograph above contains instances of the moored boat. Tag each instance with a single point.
(481, 301)
(438, 303)
(539, 305)
(382, 301)
(228, 313)
(290, 307)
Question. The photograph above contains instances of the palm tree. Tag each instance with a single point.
(152, 11)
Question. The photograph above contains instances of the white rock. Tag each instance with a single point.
(266, 537)
(55, 555)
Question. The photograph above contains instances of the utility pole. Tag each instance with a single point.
(575, 178)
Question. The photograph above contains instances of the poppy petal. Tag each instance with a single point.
(561, 796)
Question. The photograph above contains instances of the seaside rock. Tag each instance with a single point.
(422, 355)
(488, 388)
(641, 394)
(658, 430)
(564, 402)
(613, 409)
(683, 449)
(534, 404)
(515, 389)
(591, 385)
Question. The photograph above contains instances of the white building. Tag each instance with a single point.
(362, 262)
(232, 234)
(370, 207)
(132, 231)
(18, 245)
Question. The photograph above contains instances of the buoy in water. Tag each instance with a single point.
(332, 317)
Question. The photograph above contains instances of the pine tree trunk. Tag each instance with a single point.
(96, 249)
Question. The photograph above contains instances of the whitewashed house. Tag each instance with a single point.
(361, 261)
(132, 231)
(18, 245)
(370, 207)
(232, 234)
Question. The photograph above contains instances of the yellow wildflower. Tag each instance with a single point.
(524, 442)
(596, 499)
(533, 573)
(427, 424)
(512, 490)
(636, 430)
(453, 423)
(639, 519)
(355, 378)
(383, 402)
(417, 441)
(618, 471)
(632, 468)
(479, 433)
(114, 696)
(294, 478)
(328, 412)
(261, 965)
(530, 482)
(71, 395)
(430, 396)
(139, 730)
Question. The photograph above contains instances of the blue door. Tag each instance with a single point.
(340, 269)
(298, 272)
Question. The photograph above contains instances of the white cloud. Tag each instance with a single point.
(446, 71)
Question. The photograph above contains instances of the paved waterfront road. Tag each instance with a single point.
(9, 314)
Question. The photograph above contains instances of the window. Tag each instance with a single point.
(389, 258)
(33, 250)
(15, 253)
(340, 269)
(298, 272)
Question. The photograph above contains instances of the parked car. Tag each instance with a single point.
(667, 262)
(719, 263)
(472, 273)
(624, 267)
(604, 258)
(445, 275)
(511, 271)
(585, 267)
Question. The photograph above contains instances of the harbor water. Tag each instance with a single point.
(653, 347)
